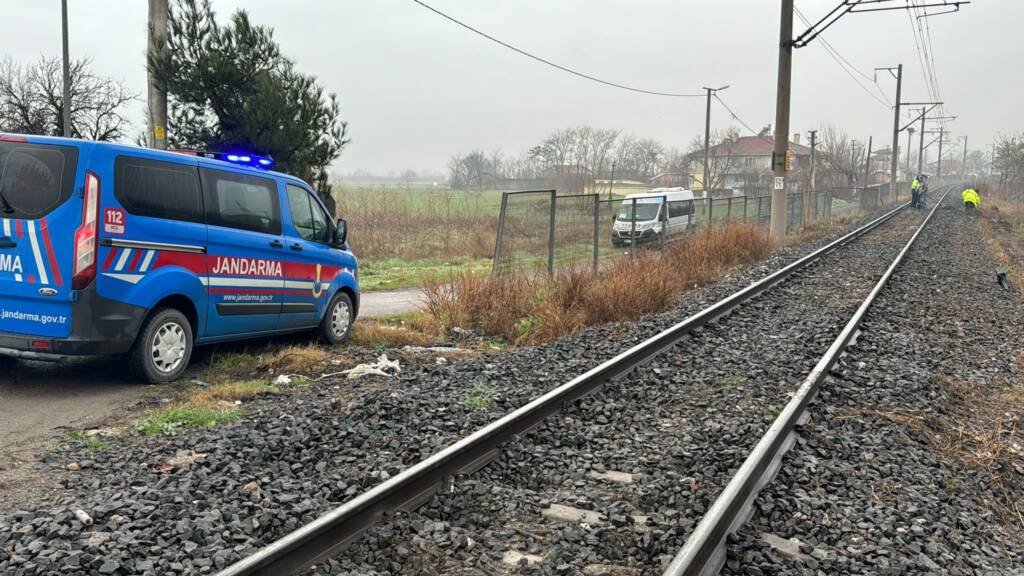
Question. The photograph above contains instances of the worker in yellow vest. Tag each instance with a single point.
(972, 201)
(915, 192)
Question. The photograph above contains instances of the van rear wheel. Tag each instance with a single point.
(164, 346)
(337, 322)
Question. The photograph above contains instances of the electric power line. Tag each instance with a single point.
(552, 64)
(733, 114)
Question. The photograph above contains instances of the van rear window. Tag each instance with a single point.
(35, 178)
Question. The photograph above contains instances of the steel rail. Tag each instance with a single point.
(704, 552)
(330, 533)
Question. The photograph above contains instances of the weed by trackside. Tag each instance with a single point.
(90, 442)
(169, 421)
(481, 397)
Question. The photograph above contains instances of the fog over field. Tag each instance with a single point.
(415, 88)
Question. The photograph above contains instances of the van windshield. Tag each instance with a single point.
(644, 211)
(35, 178)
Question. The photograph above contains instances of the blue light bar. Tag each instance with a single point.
(242, 159)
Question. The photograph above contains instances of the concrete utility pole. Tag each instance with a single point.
(157, 93)
(814, 143)
(867, 162)
(963, 166)
(910, 144)
(66, 105)
(920, 152)
(778, 218)
(942, 136)
(611, 183)
(894, 190)
(706, 177)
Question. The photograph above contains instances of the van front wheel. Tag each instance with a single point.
(337, 321)
(164, 346)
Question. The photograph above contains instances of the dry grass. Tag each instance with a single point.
(978, 427)
(217, 394)
(525, 308)
(265, 362)
(411, 329)
(1001, 224)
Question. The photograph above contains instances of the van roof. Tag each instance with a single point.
(658, 192)
(149, 153)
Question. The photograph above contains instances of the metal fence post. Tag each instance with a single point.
(501, 233)
(745, 215)
(828, 205)
(728, 210)
(664, 221)
(597, 230)
(551, 234)
(758, 210)
(711, 206)
(632, 230)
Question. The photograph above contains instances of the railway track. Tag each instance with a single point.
(735, 364)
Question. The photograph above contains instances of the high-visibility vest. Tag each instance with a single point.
(971, 196)
(916, 185)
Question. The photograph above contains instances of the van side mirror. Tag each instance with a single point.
(341, 232)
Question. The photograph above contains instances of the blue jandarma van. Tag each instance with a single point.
(109, 249)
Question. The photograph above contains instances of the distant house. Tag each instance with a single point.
(745, 164)
(669, 180)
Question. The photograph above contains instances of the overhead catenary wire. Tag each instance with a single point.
(552, 64)
(846, 66)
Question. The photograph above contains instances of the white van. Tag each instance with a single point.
(651, 219)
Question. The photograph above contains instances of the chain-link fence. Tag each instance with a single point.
(541, 231)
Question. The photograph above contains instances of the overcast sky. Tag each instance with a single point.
(416, 88)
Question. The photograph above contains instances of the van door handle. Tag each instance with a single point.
(276, 244)
(6, 242)
(297, 247)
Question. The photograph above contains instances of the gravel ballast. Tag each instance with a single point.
(910, 463)
(294, 457)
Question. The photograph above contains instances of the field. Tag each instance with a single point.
(403, 235)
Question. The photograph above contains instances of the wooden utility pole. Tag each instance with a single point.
(910, 144)
(894, 190)
(157, 137)
(778, 218)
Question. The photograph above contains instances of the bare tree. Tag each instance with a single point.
(1009, 158)
(722, 158)
(842, 158)
(32, 100)
(408, 178)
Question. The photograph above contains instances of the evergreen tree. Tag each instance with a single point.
(229, 88)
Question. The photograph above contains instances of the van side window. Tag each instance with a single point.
(307, 216)
(678, 208)
(158, 189)
(241, 201)
(35, 179)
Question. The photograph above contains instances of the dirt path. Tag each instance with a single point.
(387, 302)
(41, 402)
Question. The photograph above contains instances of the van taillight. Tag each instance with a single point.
(85, 236)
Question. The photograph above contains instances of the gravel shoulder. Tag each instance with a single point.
(912, 462)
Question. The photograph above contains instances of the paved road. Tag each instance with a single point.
(387, 302)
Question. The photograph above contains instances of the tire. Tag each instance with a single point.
(337, 322)
(163, 362)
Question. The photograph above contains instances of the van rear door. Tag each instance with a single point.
(40, 214)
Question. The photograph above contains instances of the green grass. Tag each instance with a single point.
(90, 442)
(481, 397)
(395, 273)
(169, 421)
